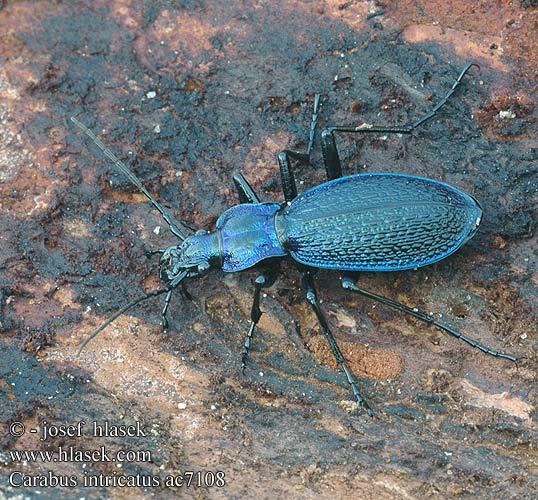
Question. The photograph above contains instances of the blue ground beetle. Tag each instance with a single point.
(364, 222)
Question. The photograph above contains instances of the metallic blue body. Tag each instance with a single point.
(364, 222)
(246, 235)
(377, 222)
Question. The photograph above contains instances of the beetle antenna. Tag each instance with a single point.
(124, 309)
(131, 176)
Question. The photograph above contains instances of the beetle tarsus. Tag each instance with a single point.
(443, 101)
(328, 141)
(313, 124)
(349, 284)
(311, 297)
(246, 346)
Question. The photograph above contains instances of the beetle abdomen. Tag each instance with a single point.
(377, 222)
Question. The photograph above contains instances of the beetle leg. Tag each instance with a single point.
(255, 314)
(331, 159)
(244, 189)
(178, 280)
(313, 300)
(165, 310)
(286, 173)
(313, 124)
(151, 253)
(349, 284)
(185, 292)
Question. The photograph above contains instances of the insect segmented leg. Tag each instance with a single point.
(289, 187)
(313, 300)
(331, 159)
(167, 300)
(150, 253)
(313, 124)
(178, 280)
(286, 173)
(349, 284)
(261, 281)
(328, 141)
(244, 190)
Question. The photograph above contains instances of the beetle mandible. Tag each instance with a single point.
(363, 222)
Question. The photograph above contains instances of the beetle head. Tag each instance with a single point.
(195, 256)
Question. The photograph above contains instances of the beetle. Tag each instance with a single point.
(363, 222)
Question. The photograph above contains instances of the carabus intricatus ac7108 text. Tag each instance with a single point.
(363, 222)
